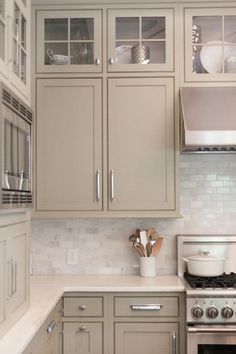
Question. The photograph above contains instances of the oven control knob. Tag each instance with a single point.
(227, 312)
(197, 312)
(212, 312)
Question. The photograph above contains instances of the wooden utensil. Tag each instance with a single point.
(157, 246)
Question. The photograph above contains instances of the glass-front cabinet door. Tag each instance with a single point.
(69, 41)
(210, 47)
(3, 19)
(19, 42)
(140, 40)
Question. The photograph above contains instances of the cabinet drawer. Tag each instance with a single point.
(83, 306)
(146, 306)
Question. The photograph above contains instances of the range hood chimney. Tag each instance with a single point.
(208, 119)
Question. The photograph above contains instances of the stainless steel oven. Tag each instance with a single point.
(211, 339)
(210, 301)
(15, 151)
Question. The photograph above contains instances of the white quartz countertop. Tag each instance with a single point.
(47, 290)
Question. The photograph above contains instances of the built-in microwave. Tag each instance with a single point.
(15, 151)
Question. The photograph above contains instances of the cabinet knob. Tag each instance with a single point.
(111, 61)
(97, 61)
(82, 307)
(82, 328)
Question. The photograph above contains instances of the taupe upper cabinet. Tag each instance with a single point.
(141, 154)
(140, 40)
(69, 147)
(69, 41)
(210, 44)
(15, 44)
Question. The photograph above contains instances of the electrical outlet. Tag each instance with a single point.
(72, 256)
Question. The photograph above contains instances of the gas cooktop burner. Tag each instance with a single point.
(223, 281)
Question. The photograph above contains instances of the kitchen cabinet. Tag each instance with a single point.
(14, 276)
(158, 333)
(210, 43)
(141, 144)
(83, 326)
(113, 154)
(15, 45)
(123, 323)
(69, 147)
(3, 39)
(48, 339)
(140, 40)
(69, 41)
(142, 338)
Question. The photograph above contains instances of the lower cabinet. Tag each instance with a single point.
(48, 339)
(14, 272)
(151, 338)
(83, 337)
(124, 323)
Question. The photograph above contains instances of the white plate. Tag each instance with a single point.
(211, 56)
(123, 54)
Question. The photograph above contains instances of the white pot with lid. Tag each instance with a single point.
(205, 265)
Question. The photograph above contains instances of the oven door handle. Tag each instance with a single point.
(212, 329)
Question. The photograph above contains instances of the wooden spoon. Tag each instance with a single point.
(157, 246)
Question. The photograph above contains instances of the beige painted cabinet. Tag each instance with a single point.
(124, 323)
(140, 39)
(48, 339)
(14, 273)
(106, 143)
(83, 323)
(69, 145)
(15, 44)
(210, 43)
(69, 41)
(141, 144)
(151, 338)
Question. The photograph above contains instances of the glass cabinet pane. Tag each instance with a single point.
(23, 66)
(56, 53)
(2, 8)
(56, 29)
(23, 32)
(2, 41)
(153, 28)
(16, 20)
(127, 28)
(82, 29)
(140, 40)
(214, 44)
(82, 53)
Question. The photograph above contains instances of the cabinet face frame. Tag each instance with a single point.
(168, 14)
(189, 13)
(96, 15)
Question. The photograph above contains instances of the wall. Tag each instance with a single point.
(208, 206)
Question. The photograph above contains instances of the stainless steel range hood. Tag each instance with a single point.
(208, 119)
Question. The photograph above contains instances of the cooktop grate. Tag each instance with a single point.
(221, 281)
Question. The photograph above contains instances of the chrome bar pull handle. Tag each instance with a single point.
(173, 343)
(51, 327)
(10, 278)
(21, 180)
(97, 185)
(6, 175)
(146, 307)
(14, 283)
(112, 189)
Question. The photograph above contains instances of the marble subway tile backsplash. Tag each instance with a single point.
(207, 204)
